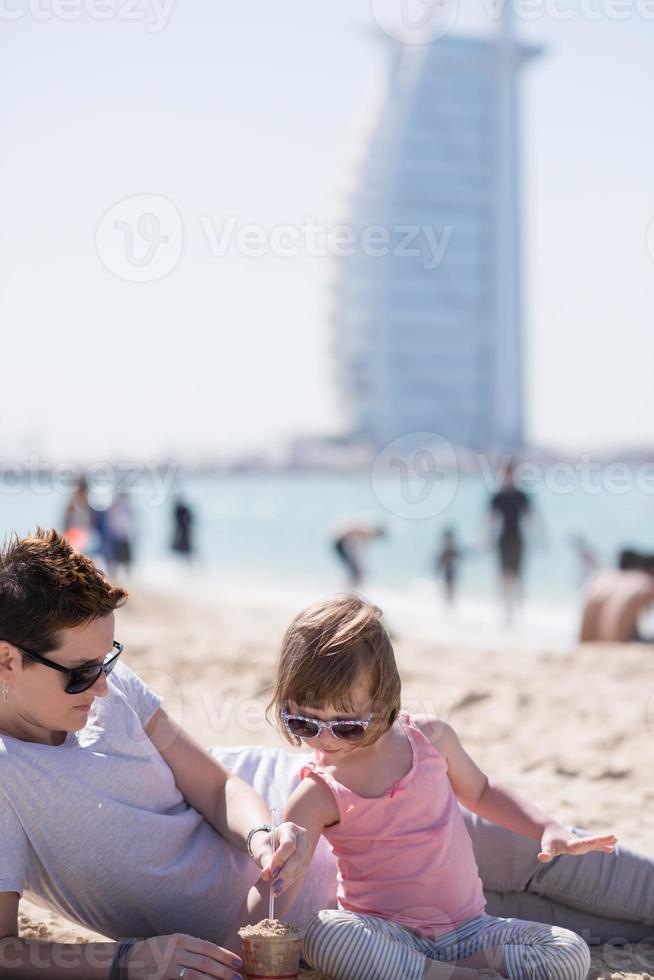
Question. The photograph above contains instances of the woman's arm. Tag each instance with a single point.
(31, 959)
(501, 805)
(159, 956)
(228, 803)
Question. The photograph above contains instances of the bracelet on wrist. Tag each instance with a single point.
(119, 964)
(255, 830)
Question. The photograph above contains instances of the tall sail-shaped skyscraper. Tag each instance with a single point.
(428, 331)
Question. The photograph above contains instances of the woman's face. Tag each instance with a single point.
(37, 698)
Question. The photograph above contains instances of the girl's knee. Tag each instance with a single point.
(347, 946)
(554, 954)
(320, 934)
(578, 955)
(569, 953)
(329, 919)
(317, 925)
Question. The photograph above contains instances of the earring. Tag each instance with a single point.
(5, 694)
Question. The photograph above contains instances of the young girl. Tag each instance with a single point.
(383, 788)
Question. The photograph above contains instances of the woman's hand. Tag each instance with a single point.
(165, 957)
(557, 839)
(293, 855)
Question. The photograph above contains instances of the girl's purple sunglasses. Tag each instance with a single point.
(348, 731)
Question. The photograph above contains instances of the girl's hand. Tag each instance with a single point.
(557, 839)
(291, 843)
(164, 957)
(292, 856)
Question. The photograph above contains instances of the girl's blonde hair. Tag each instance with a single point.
(324, 652)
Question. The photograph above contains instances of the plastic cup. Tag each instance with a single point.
(272, 957)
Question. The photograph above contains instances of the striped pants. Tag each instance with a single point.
(346, 946)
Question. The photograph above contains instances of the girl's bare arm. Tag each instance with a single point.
(312, 807)
(500, 804)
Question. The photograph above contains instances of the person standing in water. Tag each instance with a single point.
(120, 527)
(510, 509)
(182, 542)
(447, 564)
(79, 518)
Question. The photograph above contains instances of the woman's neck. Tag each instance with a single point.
(15, 726)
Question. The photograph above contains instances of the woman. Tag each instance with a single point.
(112, 815)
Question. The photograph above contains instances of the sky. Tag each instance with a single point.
(220, 114)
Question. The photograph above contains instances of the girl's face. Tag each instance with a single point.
(325, 743)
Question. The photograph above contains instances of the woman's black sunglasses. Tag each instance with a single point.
(79, 678)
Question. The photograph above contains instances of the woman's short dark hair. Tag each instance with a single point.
(47, 586)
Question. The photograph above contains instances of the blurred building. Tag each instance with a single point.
(428, 331)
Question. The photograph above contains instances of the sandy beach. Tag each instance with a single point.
(571, 729)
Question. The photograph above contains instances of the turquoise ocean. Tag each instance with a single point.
(276, 526)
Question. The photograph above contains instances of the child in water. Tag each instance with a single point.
(382, 786)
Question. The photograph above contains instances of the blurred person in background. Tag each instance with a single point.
(183, 520)
(120, 526)
(349, 539)
(79, 519)
(630, 560)
(617, 599)
(100, 499)
(448, 558)
(85, 521)
(510, 510)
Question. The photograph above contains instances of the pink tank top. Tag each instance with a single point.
(406, 855)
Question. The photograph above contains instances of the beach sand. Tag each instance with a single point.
(572, 730)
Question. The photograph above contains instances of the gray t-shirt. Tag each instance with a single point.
(97, 830)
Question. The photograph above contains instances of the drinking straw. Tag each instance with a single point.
(271, 900)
